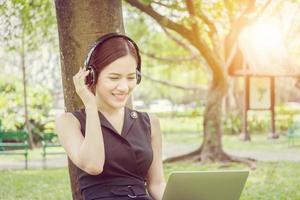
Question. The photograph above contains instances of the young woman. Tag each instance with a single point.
(117, 150)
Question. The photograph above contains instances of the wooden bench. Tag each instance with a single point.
(293, 132)
(49, 141)
(10, 141)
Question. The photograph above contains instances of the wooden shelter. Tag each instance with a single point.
(261, 57)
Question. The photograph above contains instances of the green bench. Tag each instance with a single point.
(10, 141)
(50, 140)
(293, 132)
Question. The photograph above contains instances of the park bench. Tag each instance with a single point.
(49, 142)
(14, 143)
(293, 132)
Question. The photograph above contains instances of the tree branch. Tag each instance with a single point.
(173, 5)
(191, 49)
(213, 61)
(164, 21)
(170, 59)
(178, 41)
(231, 50)
(161, 4)
(207, 21)
(178, 86)
(212, 33)
(199, 14)
(191, 10)
(229, 8)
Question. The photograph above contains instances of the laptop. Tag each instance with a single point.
(205, 185)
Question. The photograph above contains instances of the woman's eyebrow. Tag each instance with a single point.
(113, 73)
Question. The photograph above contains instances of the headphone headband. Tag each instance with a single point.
(100, 41)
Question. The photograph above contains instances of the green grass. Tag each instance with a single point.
(258, 142)
(34, 184)
(270, 181)
(35, 154)
(181, 124)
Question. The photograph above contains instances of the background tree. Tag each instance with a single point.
(204, 25)
(165, 63)
(25, 25)
(80, 23)
(12, 106)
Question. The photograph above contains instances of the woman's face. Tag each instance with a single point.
(116, 82)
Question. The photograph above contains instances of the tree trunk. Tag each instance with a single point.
(80, 23)
(211, 149)
(27, 125)
(212, 139)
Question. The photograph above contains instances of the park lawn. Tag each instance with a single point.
(270, 181)
(259, 142)
(181, 124)
(35, 154)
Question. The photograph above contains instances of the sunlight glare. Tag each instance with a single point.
(264, 47)
(267, 35)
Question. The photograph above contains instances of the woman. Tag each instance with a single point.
(116, 150)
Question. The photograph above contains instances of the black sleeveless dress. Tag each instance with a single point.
(128, 157)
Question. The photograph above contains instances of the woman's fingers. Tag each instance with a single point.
(84, 73)
(81, 75)
(79, 78)
(80, 71)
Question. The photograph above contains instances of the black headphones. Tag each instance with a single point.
(91, 77)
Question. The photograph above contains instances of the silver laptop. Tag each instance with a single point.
(205, 185)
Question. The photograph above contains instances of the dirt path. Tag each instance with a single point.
(292, 154)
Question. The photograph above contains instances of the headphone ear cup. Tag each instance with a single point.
(138, 76)
(90, 79)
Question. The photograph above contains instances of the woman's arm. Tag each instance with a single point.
(155, 177)
(86, 152)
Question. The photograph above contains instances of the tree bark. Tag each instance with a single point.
(80, 23)
(212, 138)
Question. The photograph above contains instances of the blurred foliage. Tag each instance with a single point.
(232, 123)
(181, 125)
(191, 121)
(189, 113)
(259, 122)
(188, 72)
(31, 21)
(285, 117)
(12, 106)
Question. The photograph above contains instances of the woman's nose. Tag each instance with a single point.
(123, 85)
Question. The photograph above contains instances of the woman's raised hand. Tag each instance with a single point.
(86, 95)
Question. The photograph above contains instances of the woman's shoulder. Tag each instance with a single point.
(69, 117)
(62, 117)
(151, 118)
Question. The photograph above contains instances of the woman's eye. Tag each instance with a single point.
(131, 78)
(114, 78)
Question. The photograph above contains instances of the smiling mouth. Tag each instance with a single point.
(120, 97)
